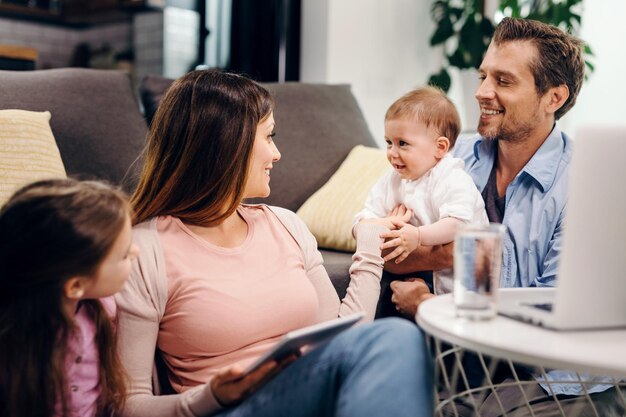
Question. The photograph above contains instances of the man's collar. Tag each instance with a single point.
(542, 166)
(484, 148)
(544, 163)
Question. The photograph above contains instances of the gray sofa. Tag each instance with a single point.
(100, 131)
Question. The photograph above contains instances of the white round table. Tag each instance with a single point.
(597, 352)
(601, 352)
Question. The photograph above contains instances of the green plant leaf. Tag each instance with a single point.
(487, 29)
(474, 39)
(456, 13)
(458, 58)
(463, 21)
(441, 80)
(439, 10)
(512, 5)
(443, 32)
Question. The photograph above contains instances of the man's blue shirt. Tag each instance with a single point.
(533, 215)
(534, 205)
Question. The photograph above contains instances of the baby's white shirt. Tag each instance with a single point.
(446, 190)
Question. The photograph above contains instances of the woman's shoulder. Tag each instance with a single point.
(283, 214)
(290, 220)
(145, 233)
(145, 226)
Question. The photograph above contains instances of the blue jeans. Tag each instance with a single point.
(377, 369)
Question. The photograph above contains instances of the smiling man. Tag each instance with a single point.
(530, 77)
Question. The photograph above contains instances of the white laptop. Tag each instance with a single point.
(591, 280)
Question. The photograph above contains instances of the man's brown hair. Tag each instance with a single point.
(431, 106)
(559, 58)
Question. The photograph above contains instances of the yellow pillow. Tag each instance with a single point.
(329, 212)
(28, 151)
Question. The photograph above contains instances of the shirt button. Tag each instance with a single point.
(74, 388)
(79, 359)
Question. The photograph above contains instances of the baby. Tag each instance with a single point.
(420, 128)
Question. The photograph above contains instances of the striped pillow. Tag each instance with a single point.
(28, 151)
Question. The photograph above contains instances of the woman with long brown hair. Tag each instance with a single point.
(219, 282)
(65, 248)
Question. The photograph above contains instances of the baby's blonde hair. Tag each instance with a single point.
(431, 106)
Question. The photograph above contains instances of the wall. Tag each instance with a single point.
(148, 43)
(180, 41)
(56, 44)
(382, 50)
(163, 41)
(601, 99)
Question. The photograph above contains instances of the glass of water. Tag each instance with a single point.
(477, 265)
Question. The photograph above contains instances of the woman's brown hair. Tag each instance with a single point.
(51, 231)
(199, 146)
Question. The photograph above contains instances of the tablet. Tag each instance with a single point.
(309, 336)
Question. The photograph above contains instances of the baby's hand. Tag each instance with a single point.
(398, 218)
(384, 221)
(399, 210)
(405, 240)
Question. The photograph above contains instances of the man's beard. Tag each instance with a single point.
(512, 134)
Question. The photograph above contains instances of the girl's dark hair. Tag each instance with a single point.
(199, 146)
(51, 231)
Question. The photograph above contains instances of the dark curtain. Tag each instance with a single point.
(256, 31)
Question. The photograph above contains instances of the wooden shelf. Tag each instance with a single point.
(101, 12)
(36, 12)
(14, 57)
(18, 52)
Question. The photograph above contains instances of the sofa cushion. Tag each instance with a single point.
(337, 265)
(317, 126)
(329, 212)
(95, 116)
(28, 151)
(151, 91)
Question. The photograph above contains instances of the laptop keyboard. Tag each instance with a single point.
(542, 306)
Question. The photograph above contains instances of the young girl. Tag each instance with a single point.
(65, 249)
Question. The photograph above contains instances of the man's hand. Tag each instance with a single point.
(230, 387)
(408, 295)
(405, 240)
(424, 258)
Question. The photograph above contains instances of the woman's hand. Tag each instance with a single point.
(230, 387)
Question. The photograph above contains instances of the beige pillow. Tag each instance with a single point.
(329, 212)
(28, 151)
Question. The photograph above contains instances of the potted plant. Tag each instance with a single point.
(464, 30)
